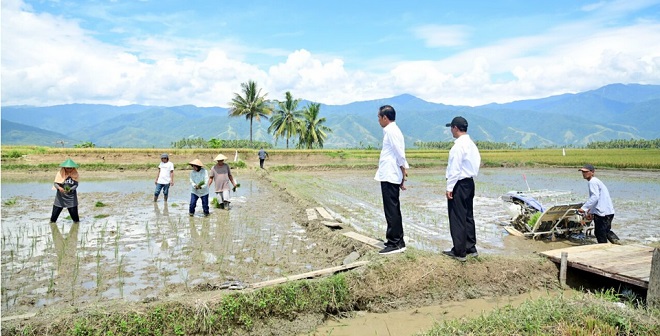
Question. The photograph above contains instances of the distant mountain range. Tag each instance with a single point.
(614, 111)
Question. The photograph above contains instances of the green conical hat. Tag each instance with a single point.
(69, 164)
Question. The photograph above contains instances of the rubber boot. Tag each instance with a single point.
(155, 198)
(165, 198)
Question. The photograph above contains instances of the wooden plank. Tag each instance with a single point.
(367, 240)
(634, 281)
(513, 231)
(332, 224)
(653, 294)
(627, 263)
(307, 275)
(311, 214)
(18, 317)
(324, 213)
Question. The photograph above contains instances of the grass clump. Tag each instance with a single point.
(101, 216)
(99, 204)
(10, 202)
(586, 315)
(225, 316)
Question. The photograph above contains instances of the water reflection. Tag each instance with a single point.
(164, 213)
(68, 266)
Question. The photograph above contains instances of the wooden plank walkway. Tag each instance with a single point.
(626, 263)
(367, 240)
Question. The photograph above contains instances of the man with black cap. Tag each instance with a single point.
(599, 205)
(462, 167)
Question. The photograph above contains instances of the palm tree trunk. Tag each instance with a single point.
(250, 131)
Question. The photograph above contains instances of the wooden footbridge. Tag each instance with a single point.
(634, 264)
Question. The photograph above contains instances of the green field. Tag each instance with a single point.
(13, 157)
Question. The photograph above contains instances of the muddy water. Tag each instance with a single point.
(135, 249)
(355, 198)
(421, 320)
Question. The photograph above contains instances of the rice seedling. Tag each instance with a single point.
(99, 204)
(10, 202)
(99, 216)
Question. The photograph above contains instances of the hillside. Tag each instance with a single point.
(615, 111)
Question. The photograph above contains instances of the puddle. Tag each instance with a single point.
(421, 320)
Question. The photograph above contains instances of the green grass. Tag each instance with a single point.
(101, 216)
(10, 202)
(99, 204)
(587, 315)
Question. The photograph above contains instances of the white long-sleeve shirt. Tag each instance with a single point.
(392, 156)
(599, 202)
(464, 161)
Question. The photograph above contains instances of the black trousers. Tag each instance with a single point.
(461, 218)
(392, 207)
(261, 163)
(73, 212)
(602, 227)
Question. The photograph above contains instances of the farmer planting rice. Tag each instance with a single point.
(221, 176)
(66, 183)
(200, 189)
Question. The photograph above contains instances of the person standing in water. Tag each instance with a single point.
(66, 183)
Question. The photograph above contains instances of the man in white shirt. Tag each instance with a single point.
(165, 177)
(599, 205)
(462, 168)
(391, 174)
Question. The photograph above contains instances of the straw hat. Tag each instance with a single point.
(69, 164)
(220, 157)
(196, 162)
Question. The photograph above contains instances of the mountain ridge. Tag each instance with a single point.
(629, 111)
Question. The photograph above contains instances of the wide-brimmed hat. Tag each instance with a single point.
(220, 157)
(196, 162)
(69, 164)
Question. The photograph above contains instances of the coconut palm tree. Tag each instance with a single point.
(251, 104)
(314, 132)
(286, 121)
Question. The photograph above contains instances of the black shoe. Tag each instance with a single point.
(392, 250)
(450, 253)
(473, 254)
(191, 214)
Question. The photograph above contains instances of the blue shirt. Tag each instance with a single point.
(599, 202)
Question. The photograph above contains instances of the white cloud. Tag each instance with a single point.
(62, 63)
(442, 36)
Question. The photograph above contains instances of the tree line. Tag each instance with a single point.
(218, 143)
(480, 144)
(621, 143)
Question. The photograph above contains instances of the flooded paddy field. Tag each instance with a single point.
(133, 249)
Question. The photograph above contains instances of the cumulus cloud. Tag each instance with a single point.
(62, 63)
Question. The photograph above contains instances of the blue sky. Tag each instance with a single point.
(167, 52)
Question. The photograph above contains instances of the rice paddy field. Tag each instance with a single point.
(129, 248)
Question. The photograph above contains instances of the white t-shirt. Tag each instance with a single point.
(164, 173)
